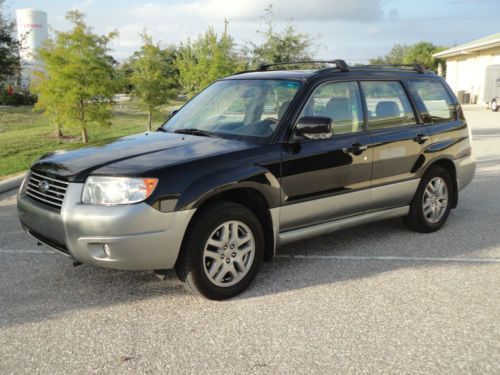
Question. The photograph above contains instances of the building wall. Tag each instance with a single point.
(466, 72)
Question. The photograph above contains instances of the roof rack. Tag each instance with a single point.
(417, 67)
(339, 64)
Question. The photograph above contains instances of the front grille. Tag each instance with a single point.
(46, 190)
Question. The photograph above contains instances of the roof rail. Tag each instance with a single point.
(339, 64)
(417, 67)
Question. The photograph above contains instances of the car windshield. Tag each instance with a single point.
(236, 108)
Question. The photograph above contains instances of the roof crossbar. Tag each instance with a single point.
(417, 67)
(339, 64)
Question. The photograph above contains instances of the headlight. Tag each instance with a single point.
(117, 190)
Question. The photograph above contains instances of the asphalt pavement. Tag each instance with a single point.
(375, 299)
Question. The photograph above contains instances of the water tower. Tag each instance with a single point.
(32, 31)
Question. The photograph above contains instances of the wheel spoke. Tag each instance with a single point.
(215, 266)
(232, 271)
(242, 252)
(226, 232)
(218, 244)
(241, 241)
(223, 272)
(432, 187)
(233, 231)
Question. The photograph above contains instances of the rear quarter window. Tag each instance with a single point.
(438, 106)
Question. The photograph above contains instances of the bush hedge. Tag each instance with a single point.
(17, 98)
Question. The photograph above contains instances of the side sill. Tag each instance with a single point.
(332, 226)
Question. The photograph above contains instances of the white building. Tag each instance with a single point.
(32, 31)
(466, 67)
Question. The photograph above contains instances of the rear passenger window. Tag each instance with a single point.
(341, 102)
(437, 102)
(387, 103)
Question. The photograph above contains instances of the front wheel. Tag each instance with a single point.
(431, 204)
(222, 251)
(494, 105)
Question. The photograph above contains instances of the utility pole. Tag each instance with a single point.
(226, 23)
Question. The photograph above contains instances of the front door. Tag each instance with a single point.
(325, 179)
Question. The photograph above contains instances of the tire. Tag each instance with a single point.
(494, 105)
(432, 203)
(214, 264)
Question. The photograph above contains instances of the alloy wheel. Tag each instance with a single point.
(435, 200)
(229, 253)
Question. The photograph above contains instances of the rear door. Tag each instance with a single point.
(398, 143)
(324, 179)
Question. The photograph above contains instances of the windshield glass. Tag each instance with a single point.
(236, 108)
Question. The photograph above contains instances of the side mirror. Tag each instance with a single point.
(314, 127)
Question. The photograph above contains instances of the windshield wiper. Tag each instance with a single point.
(194, 131)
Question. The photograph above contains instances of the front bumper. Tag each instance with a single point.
(138, 237)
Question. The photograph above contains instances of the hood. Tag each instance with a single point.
(135, 155)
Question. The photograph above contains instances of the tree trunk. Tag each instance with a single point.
(58, 133)
(84, 135)
(82, 122)
(150, 118)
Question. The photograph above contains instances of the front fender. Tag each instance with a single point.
(207, 186)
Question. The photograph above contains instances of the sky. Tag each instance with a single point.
(354, 30)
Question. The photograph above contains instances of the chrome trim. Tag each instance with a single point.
(31, 195)
(30, 188)
(35, 186)
(53, 196)
(331, 226)
(48, 178)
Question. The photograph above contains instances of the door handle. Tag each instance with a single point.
(355, 149)
(421, 138)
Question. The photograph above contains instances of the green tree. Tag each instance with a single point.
(395, 56)
(153, 76)
(9, 47)
(205, 60)
(421, 53)
(77, 86)
(287, 45)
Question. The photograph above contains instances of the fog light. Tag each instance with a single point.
(107, 250)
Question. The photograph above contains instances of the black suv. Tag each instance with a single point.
(257, 160)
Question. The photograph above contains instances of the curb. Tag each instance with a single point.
(11, 183)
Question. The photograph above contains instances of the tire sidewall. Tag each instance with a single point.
(195, 246)
(433, 173)
(494, 105)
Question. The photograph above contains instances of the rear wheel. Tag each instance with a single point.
(494, 105)
(431, 204)
(222, 252)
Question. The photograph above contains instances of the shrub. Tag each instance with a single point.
(17, 98)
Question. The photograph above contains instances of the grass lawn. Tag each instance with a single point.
(26, 135)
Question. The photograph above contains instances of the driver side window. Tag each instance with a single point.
(341, 102)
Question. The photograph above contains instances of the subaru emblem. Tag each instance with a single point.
(43, 186)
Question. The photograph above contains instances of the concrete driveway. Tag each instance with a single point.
(373, 299)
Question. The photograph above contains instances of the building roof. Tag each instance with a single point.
(487, 42)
